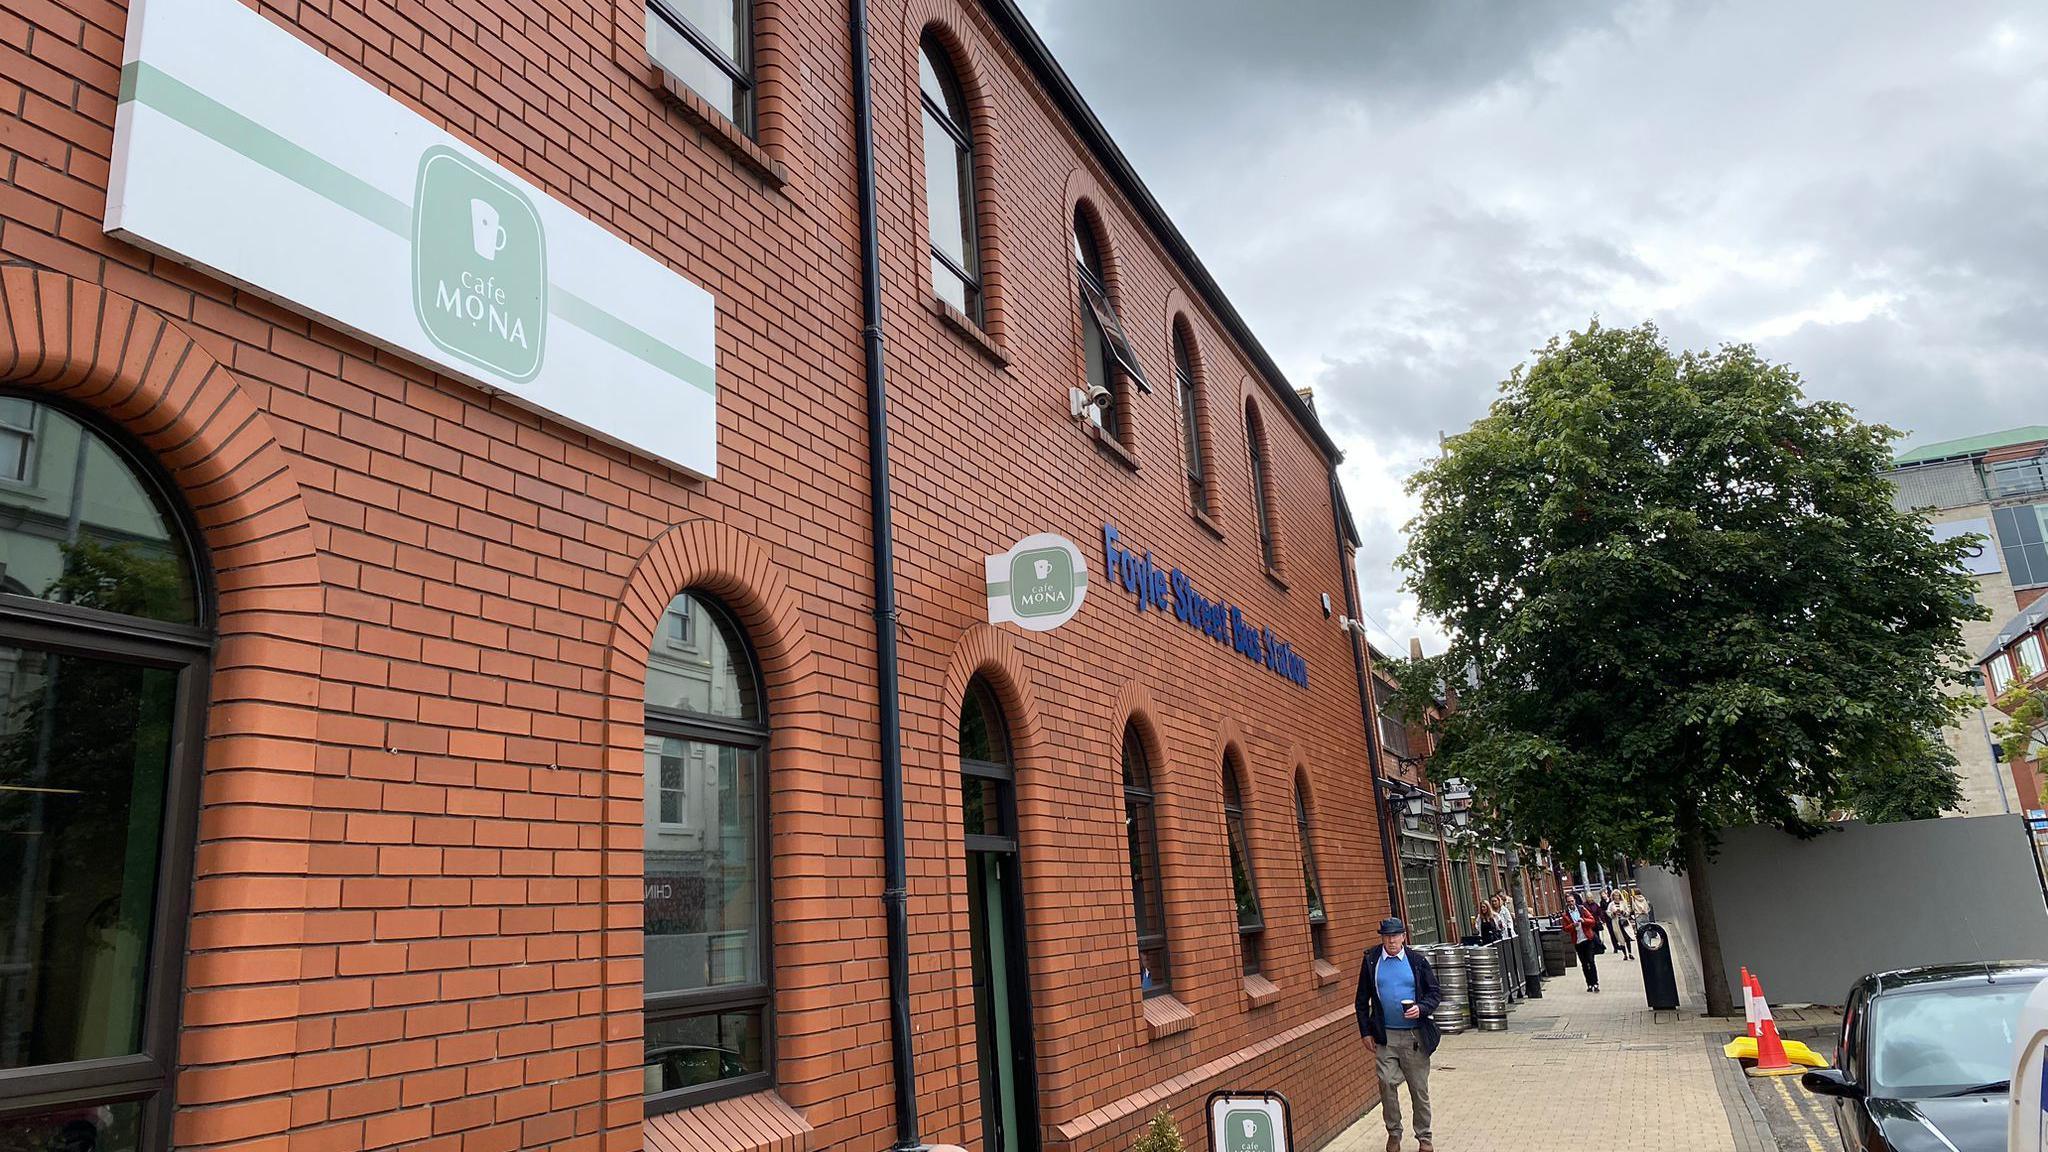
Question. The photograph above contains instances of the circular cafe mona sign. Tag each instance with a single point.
(1037, 585)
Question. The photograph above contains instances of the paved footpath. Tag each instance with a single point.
(1579, 1072)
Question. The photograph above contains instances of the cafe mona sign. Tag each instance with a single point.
(1038, 584)
(242, 151)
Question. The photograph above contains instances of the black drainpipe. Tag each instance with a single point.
(895, 891)
(1372, 745)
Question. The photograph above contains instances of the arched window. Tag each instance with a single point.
(708, 1026)
(1311, 878)
(1255, 447)
(949, 181)
(1148, 904)
(1251, 924)
(104, 635)
(1188, 393)
(1106, 351)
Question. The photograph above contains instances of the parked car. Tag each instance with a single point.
(1925, 1056)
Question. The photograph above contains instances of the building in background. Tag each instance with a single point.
(1995, 486)
(1441, 868)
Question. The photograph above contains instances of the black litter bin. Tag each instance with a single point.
(1557, 952)
(1660, 978)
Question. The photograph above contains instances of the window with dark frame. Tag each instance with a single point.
(1187, 392)
(949, 181)
(1255, 447)
(709, 1029)
(1148, 904)
(105, 635)
(17, 439)
(707, 46)
(1311, 877)
(1106, 350)
(1251, 924)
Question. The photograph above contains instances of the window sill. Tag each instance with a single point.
(1208, 525)
(965, 327)
(713, 123)
(1165, 1016)
(1278, 580)
(1259, 991)
(759, 1122)
(1109, 445)
(1326, 973)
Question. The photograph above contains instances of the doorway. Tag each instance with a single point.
(995, 922)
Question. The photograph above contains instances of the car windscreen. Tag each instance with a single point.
(1932, 1041)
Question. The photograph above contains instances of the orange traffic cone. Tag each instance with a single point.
(1748, 1006)
(1770, 1050)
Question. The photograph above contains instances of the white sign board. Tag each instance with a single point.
(1249, 1122)
(1983, 561)
(1038, 584)
(240, 150)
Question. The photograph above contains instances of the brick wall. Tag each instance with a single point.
(417, 905)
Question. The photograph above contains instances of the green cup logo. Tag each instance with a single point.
(1038, 584)
(1249, 1131)
(479, 266)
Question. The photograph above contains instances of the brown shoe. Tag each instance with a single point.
(1425, 1146)
(1393, 1142)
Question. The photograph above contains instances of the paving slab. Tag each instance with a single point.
(1583, 1072)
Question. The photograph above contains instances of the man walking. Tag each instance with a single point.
(1397, 991)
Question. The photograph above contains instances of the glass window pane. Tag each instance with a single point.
(981, 727)
(948, 286)
(936, 80)
(85, 746)
(14, 455)
(688, 63)
(716, 20)
(945, 192)
(710, 674)
(694, 1050)
(90, 531)
(702, 916)
(76, 1128)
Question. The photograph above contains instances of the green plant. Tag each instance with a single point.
(2025, 711)
(1161, 1136)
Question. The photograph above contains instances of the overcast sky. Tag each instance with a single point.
(1405, 197)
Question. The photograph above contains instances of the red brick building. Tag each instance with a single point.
(393, 761)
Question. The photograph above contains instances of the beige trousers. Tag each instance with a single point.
(1400, 1059)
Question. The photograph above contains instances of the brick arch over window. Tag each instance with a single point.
(140, 370)
(971, 68)
(738, 571)
(1265, 500)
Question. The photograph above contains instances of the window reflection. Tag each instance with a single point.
(77, 525)
(84, 752)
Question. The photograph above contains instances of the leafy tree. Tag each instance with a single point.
(1679, 599)
(2026, 711)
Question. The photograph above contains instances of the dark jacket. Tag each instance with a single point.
(1427, 996)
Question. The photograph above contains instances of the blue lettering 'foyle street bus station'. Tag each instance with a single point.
(1157, 587)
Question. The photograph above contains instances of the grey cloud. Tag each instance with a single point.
(1405, 198)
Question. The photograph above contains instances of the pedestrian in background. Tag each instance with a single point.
(1503, 915)
(1397, 991)
(1640, 905)
(1623, 926)
(1610, 911)
(1584, 925)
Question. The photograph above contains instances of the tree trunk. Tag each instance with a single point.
(1712, 973)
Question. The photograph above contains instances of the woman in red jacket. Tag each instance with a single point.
(1584, 925)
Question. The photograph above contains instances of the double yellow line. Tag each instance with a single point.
(1800, 1116)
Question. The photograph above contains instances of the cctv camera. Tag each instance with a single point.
(1079, 401)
